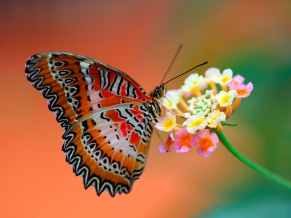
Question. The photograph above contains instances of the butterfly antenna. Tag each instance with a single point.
(177, 52)
(167, 99)
(186, 72)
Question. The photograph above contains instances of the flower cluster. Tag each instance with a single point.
(205, 110)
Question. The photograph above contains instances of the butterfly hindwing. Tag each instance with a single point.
(75, 86)
(109, 148)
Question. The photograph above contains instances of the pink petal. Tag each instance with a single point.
(214, 137)
(162, 148)
(249, 87)
(182, 131)
(192, 142)
(201, 134)
(202, 153)
(211, 149)
(187, 94)
(202, 87)
(238, 79)
(183, 149)
(232, 86)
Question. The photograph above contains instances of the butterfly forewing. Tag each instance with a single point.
(75, 86)
(104, 114)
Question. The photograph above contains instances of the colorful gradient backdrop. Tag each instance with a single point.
(253, 38)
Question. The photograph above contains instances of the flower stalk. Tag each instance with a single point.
(278, 179)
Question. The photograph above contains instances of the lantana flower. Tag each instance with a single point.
(193, 84)
(236, 81)
(203, 113)
(193, 81)
(184, 140)
(212, 74)
(225, 98)
(195, 123)
(172, 98)
(225, 78)
(214, 118)
(206, 142)
(168, 123)
(244, 91)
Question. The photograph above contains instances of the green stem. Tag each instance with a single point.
(281, 181)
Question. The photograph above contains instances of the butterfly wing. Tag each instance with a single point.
(75, 86)
(103, 112)
(109, 148)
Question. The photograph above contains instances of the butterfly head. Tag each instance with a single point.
(158, 92)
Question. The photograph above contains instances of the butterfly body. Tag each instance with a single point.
(107, 117)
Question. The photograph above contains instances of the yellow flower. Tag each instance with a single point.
(195, 123)
(213, 74)
(225, 99)
(193, 81)
(172, 98)
(214, 118)
(168, 123)
(225, 78)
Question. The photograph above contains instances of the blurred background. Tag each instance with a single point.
(253, 38)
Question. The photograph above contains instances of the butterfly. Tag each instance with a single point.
(107, 117)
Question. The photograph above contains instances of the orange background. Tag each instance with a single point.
(140, 38)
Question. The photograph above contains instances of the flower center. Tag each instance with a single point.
(169, 124)
(211, 121)
(195, 81)
(206, 143)
(225, 79)
(185, 140)
(201, 105)
(197, 122)
(241, 92)
(225, 99)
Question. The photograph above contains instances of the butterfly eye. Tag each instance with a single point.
(158, 92)
(161, 91)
